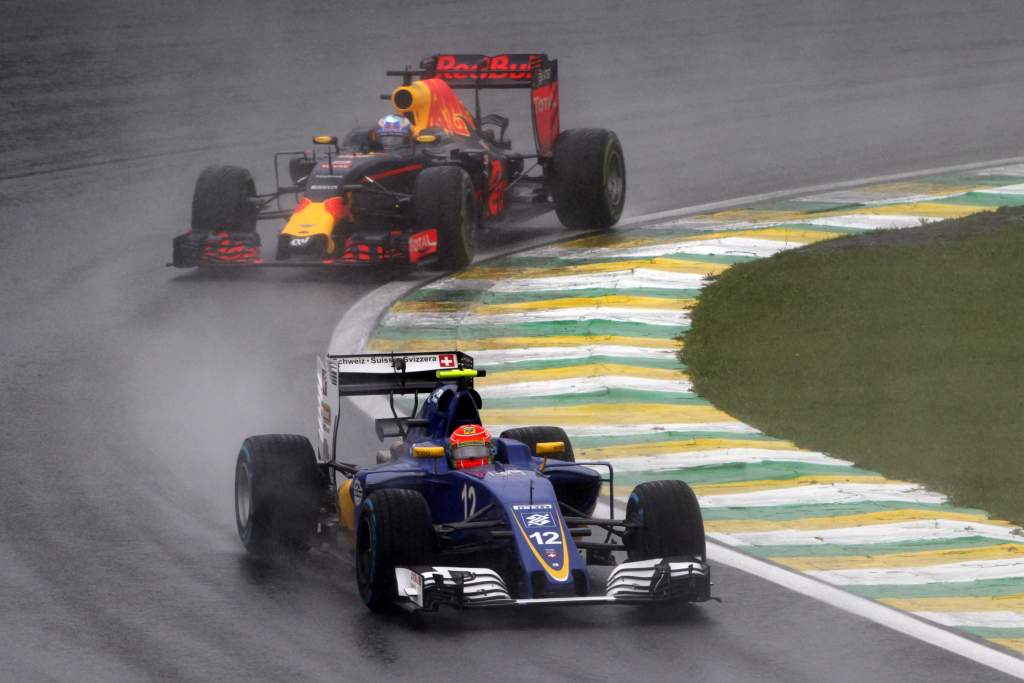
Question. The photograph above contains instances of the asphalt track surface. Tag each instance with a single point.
(126, 388)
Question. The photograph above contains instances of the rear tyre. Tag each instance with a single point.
(278, 487)
(223, 200)
(394, 530)
(445, 200)
(531, 436)
(669, 519)
(588, 178)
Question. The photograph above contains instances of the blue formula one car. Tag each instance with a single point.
(451, 516)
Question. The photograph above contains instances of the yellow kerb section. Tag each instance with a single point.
(597, 414)
(471, 345)
(500, 378)
(682, 446)
(730, 526)
(984, 603)
(658, 263)
(774, 484)
(1006, 551)
(1011, 643)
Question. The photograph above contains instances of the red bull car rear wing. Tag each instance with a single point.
(510, 70)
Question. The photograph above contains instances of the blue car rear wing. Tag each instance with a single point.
(392, 373)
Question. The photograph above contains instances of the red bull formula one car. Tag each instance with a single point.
(359, 202)
(453, 517)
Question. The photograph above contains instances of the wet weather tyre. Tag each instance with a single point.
(444, 199)
(588, 178)
(278, 487)
(669, 522)
(224, 200)
(531, 436)
(394, 530)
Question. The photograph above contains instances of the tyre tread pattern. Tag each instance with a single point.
(578, 178)
(405, 537)
(286, 489)
(221, 201)
(672, 522)
(438, 196)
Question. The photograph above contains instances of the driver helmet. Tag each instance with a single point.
(470, 446)
(392, 132)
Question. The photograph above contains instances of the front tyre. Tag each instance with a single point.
(588, 178)
(394, 530)
(667, 520)
(278, 487)
(224, 200)
(444, 199)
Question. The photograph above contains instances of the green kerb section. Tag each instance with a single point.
(611, 396)
(582, 442)
(871, 549)
(553, 263)
(984, 199)
(783, 513)
(959, 589)
(994, 632)
(467, 297)
(590, 328)
(495, 370)
(723, 474)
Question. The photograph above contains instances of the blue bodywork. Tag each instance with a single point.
(528, 540)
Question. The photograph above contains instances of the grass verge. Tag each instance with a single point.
(900, 350)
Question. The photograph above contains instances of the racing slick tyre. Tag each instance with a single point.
(223, 200)
(394, 530)
(531, 436)
(669, 522)
(588, 178)
(444, 199)
(278, 487)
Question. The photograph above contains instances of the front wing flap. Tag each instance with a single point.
(657, 580)
(234, 249)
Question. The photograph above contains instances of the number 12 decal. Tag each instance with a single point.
(546, 537)
(468, 501)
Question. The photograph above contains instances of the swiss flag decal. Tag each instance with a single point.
(447, 360)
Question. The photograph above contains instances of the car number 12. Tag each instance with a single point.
(546, 537)
(468, 501)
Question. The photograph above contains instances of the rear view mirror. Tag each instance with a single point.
(428, 451)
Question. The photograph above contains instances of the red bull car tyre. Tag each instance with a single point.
(444, 197)
(588, 179)
(222, 201)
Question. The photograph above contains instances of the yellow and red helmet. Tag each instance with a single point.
(470, 446)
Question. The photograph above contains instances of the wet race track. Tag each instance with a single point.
(126, 387)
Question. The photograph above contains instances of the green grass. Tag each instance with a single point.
(902, 351)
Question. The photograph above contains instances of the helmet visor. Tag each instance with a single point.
(472, 451)
(390, 141)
